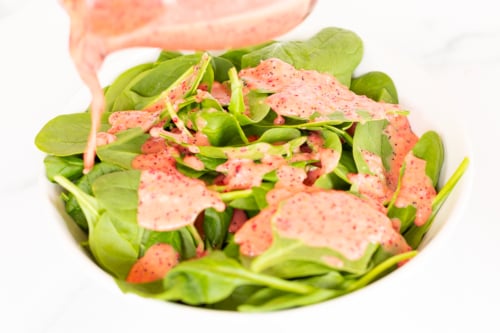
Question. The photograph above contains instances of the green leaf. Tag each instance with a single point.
(370, 137)
(126, 147)
(332, 50)
(284, 250)
(406, 216)
(72, 206)
(70, 167)
(121, 82)
(268, 299)
(117, 193)
(151, 237)
(377, 86)
(167, 55)
(89, 205)
(67, 134)
(235, 55)
(430, 148)
(221, 67)
(115, 244)
(164, 75)
(209, 280)
(221, 128)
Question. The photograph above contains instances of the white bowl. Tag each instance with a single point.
(429, 110)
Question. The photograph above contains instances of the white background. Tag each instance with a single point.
(456, 44)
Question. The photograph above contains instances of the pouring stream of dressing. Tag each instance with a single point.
(100, 27)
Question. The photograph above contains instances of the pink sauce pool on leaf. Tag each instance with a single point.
(307, 93)
(170, 200)
(158, 260)
(334, 219)
(402, 140)
(416, 189)
(123, 120)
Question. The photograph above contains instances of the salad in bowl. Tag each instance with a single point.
(258, 179)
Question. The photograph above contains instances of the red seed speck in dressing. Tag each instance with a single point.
(123, 120)
(402, 140)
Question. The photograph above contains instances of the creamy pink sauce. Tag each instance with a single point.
(372, 185)
(306, 93)
(334, 219)
(243, 173)
(166, 200)
(158, 260)
(101, 27)
(123, 120)
(416, 189)
(402, 140)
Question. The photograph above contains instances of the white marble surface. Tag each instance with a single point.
(42, 287)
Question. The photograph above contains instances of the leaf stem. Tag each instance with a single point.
(381, 268)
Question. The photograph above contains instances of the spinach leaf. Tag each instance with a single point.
(117, 193)
(377, 86)
(210, 279)
(67, 134)
(273, 300)
(370, 137)
(215, 226)
(115, 244)
(283, 250)
(430, 148)
(235, 55)
(164, 75)
(89, 205)
(332, 50)
(70, 167)
(151, 237)
(121, 83)
(167, 55)
(221, 67)
(221, 128)
(126, 147)
(72, 206)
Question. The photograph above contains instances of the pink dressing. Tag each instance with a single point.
(166, 200)
(334, 219)
(158, 260)
(256, 235)
(402, 140)
(372, 185)
(101, 27)
(123, 120)
(306, 93)
(243, 173)
(416, 189)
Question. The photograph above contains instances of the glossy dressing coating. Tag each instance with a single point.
(307, 93)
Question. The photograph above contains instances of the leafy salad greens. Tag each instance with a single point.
(205, 115)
